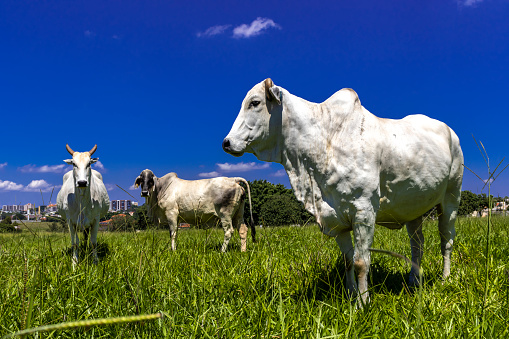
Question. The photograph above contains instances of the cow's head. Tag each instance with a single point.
(147, 181)
(257, 128)
(82, 163)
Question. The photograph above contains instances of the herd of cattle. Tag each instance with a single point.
(349, 168)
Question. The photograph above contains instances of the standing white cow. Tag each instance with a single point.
(83, 199)
(207, 201)
(352, 169)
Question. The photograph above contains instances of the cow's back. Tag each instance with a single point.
(418, 156)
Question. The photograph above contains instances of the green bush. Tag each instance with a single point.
(263, 193)
(122, 223)
(8, 228)
(58, 226)
(7, 220)
(280, 210)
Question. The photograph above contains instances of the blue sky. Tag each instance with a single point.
(158, 84)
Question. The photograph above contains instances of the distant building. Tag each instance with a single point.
(11, 208)
(121, 205)
(17, 208)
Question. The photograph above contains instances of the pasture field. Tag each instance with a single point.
(287, 285)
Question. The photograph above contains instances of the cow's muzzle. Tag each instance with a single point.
(144, 193)
(227, 147)
(82, 183)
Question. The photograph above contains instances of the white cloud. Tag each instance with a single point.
(99, 166)
(3, 165)
(255, 28)
(109, 187)
(214, 30)
(132, 188)
(38, 185)
(242, 166)
(470, 3)
(280, 173)
(43, 169)
(10, 186)
(209, 174)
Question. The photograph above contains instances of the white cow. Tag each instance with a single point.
(83, 199)
(352, 169)
(170, 199)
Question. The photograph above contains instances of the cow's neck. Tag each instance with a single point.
(308, 129)
(83, 195)
(151, 202)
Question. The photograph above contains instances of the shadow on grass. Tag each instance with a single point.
(85, 251)
(331, 282)
(232, 247)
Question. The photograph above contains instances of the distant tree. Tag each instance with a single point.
(280, 210)
(262, 191)
(471, 202)
(122, 223)
(20, 216)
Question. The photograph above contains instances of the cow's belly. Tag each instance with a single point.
(199, 218)
(395, 211)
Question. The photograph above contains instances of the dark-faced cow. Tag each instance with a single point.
(352, 169)
(83, 199)
(171, 200)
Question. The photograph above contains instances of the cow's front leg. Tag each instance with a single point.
(172, 223)
(75, 243)
(344, 241)
(228, 231)
(93, 239)
(363, 231)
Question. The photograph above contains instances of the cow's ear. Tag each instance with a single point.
(93, 160)
(137, 182)
(68, 161)
(276, 94)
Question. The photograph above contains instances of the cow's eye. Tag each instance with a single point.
(254, 103)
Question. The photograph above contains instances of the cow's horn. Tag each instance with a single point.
(92, 150)
(69, 149)
(268, 83)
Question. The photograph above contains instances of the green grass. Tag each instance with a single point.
(288, 285)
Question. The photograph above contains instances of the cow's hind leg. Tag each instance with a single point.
(228, 231)
(447, 217)
(239, 223)
(414, 229)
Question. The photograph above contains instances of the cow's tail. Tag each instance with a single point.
(252, 224)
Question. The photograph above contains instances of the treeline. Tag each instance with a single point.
(273, 205)
(471, 202)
